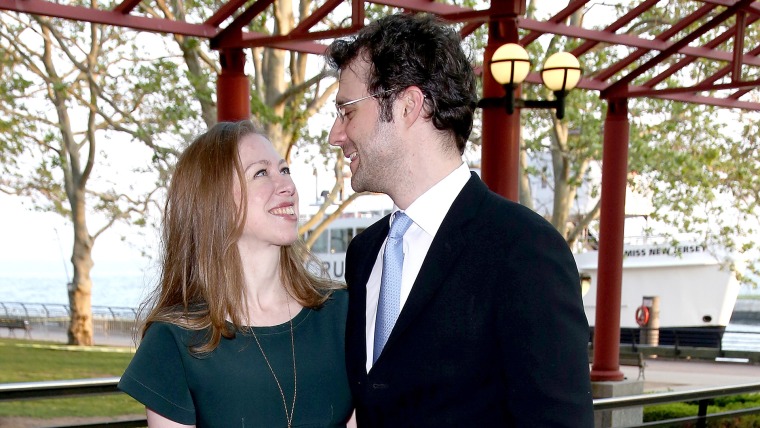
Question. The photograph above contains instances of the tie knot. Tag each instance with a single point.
(400, 225)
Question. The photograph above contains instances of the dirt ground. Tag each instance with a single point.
(24, 422)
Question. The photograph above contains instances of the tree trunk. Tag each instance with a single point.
(526, 193)
(564, 186)
(80, 290)
(275, 64)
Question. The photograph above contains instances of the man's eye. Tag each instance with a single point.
(285, 171)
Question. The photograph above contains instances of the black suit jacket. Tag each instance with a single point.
(493, 333)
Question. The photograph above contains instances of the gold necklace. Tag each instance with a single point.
(288, 416)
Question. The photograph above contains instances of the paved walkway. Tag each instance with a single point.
(57, 334)
(663, 375)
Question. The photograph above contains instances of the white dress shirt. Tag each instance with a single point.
(427, 213)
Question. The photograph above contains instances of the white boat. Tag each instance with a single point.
(696, 292)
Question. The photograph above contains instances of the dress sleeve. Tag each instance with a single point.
(156, 376)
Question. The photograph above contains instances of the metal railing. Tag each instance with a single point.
(87, 387)
(56, 316)
(701, 396)
(691, 343)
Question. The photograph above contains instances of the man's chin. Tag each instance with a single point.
(357, 184)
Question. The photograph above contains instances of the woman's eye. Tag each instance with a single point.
(285, 171)
(260, 173)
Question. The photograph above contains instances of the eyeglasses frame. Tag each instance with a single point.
(339, 107)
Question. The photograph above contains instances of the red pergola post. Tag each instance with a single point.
(606, 366)
(232, 87)
(500, 145)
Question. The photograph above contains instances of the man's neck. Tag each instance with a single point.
(421, 179)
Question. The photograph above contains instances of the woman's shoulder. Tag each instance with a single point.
(339, 297)
(165, 331)
(337, 302)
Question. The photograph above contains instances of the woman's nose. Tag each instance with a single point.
(286, 185)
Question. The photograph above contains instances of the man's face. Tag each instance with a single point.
(371, 145)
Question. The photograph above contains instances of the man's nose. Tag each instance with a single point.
(337, 133)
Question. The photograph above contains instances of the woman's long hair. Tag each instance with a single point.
(201, 278)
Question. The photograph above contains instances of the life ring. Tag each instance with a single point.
(642, 315)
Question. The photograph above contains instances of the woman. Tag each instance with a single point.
(240, 333)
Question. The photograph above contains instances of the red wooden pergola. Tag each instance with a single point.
(640, 73)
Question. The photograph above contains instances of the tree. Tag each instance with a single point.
(66, 88)
(686, 157)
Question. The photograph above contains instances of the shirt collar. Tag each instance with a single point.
(431, 207)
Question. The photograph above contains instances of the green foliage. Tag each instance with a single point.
(738, 401)
(29, 361)
(669, 411)
(716, 405)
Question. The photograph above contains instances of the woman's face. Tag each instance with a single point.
(272, 199)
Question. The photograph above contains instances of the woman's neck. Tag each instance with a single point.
(266, 298)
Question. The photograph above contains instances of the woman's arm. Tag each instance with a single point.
(157, 421)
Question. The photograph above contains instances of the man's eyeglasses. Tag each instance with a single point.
(341, 108)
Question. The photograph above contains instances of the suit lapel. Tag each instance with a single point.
(363, 260)
(449, 242)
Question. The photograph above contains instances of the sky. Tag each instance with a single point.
(32, 241)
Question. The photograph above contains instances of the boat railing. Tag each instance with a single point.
(94, 387)
(688, 343)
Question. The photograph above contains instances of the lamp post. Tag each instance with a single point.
(510, 66)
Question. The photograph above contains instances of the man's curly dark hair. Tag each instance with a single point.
(415, 50)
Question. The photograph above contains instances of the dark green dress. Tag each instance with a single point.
(233, 386)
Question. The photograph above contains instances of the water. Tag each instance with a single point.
(122, 290)
(742, 337)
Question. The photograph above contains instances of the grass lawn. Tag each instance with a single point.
(29, 361)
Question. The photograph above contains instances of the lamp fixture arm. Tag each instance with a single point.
(510, 103)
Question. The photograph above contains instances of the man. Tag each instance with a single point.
(476, 320)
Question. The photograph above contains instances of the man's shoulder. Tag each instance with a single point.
(497, 213)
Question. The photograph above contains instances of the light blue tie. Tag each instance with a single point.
(388, 306)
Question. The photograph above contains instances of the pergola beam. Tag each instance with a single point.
(618, 87)
(632, 41)
(108, 17)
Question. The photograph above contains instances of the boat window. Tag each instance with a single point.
(320, 245)
(339, 239)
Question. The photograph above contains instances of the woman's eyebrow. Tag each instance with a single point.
(263, 161)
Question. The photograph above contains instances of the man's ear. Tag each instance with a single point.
(412, 104)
